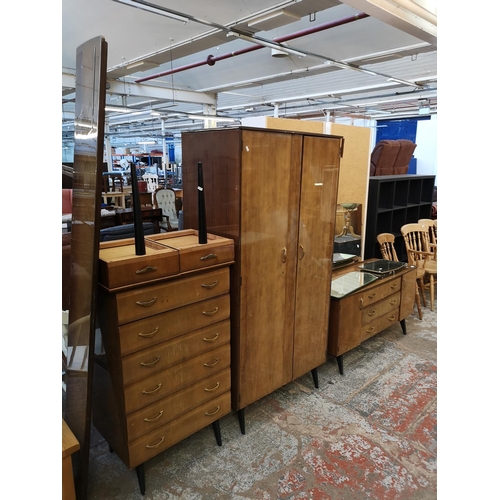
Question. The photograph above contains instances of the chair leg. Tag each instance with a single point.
(417, 300)
(422, 290)
(431, 279)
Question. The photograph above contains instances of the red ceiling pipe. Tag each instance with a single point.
(211, 60)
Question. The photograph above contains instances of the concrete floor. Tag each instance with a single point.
(371, 433)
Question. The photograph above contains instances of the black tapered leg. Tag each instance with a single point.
(110, 448)
(141, 476)
(340, 363)
(314, 373)
(403, 325)
(216, 428)
(241, 418)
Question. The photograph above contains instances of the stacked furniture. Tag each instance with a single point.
(164, 321)
(275, 194)
(393, 201)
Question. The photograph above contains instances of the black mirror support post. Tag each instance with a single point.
(202, 219)
(140, 248)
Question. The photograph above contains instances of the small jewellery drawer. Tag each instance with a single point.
(153, 299)
(146, 362)
(176, 430)
(161, 327)
(157, 414)
(373, 311)
(380, 292)
(159, 385)
(379, 324)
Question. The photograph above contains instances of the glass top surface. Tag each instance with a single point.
(350, 282)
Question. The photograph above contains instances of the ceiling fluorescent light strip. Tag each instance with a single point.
(214, 118)
(155, 9)
(265, 43)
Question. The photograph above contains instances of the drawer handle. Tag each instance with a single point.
(152, 391)
(148, 269)
(157, 444)
(392, 318)
(151, 363)
(211, 313)
(146, 303)
(210, 413)
(394, 285)
(209, 256)
(211, 364)
(393, 302)
(372, 312)
(154, 419)
(214, 388)
(210, 285)
(213, 339)
(371, 295)
(150, 334)
(370, 330)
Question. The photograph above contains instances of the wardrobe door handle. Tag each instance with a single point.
(302, 252)
(211, 313)
(213, 339)
(146, 303)
(209, 365)
(209, 285)
(150, 334)
(157, 444)
(283, 255)
(151, 363)
(210, 413)
(152, 391)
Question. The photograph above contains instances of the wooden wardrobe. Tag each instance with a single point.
(275, 194)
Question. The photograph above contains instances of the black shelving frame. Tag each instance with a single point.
(393, 201)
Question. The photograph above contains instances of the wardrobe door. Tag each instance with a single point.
(318, 199)
(269, 186)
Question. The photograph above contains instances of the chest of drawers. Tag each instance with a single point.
(164, 317)
(358, 316)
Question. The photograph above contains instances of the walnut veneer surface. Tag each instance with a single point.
(165, 373)
(376, 306)
(274, 193)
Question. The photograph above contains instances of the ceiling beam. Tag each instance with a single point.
(146, 91)
(406, 15)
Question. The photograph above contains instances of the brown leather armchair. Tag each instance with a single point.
(391, 157)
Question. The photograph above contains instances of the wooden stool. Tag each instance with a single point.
(69, 446)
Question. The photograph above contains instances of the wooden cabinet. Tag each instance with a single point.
(360, 315)
(164, 320)
(393, 201)
(274, 193)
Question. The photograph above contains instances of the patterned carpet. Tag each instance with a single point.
(369, 434)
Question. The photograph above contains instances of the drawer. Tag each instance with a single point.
(217, 250)
(146, 362)
(119, 266)
(373, 311)
(379, 324)
(380, 292)
(161, 327)
(157, 386)
(167, 435)
(154, 299)
(157, 414)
